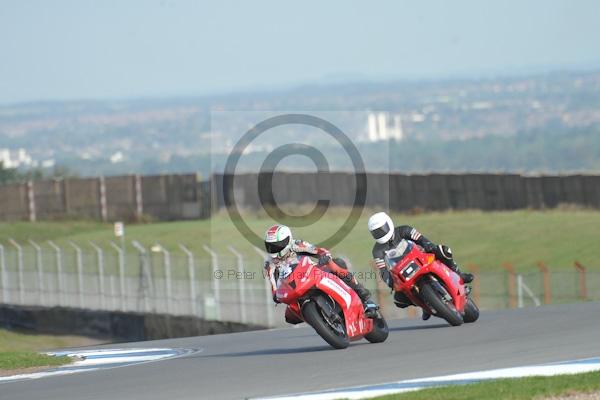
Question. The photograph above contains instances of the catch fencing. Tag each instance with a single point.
(225, 285)
(137, 278)
(506, 286)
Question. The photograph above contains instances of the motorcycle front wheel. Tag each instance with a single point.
(443, 309)
(471, 311)
(332, 332)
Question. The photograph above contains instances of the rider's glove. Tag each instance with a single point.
(324, 259)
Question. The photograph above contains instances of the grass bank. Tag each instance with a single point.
(15, 360)
(20, 350)
(509, 389)
(488, 239)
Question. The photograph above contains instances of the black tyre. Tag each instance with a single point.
(333, 334)
(380, 331)
(471, 312)
(444, 310)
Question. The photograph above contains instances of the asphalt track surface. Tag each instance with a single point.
(290, 361)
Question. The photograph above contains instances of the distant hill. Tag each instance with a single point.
(527, 124)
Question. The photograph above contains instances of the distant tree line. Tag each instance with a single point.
(16, 175)
(560, 150)
(572, 150)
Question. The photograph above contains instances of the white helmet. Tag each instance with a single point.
(381, 227)
(278, 240)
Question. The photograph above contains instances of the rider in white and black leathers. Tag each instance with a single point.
(387, 237)
(283, 251)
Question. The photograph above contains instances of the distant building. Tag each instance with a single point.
(117, 157)
(384, 126)
(15, 159)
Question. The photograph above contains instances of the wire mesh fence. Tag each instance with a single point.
(151, 280)
(227, 286)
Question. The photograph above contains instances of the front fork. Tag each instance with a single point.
(438, 287)
(468, 290)
(326, 304)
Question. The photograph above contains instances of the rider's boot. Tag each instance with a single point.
(465, 276)
(370, 307)
(365, 296)
(401, 301)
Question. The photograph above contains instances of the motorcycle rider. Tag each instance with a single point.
(387, 237)
(283, 250)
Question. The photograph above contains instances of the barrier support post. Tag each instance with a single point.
(59, 271)
(512, 285)
(546, 281)
(19, 269)
(40, 270)
(79, 263)
(147, 274)
(268, 293)
(240, 284)
(158, 248)
(191, 277)
(216, 284)
(121, 255)
(583, 294)
(100, 261)
(4, 276)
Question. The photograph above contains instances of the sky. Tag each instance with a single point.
(83, 49)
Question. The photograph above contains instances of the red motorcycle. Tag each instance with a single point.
(421, 280)
(326, 303)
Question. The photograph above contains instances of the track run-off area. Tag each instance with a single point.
(296, 360)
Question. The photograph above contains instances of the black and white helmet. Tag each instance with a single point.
(381, 227)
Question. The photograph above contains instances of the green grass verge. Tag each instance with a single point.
(488, 239)
(19, 350)
(20, 341)
(508, 389)
(11, 360)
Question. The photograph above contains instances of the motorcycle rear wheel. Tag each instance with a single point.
(312, 314)
(444, 310)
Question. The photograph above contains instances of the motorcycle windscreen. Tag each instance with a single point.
(395, 255)
(286, 270)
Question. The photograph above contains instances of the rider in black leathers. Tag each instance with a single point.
(387, 237)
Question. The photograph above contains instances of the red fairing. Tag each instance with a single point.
(428, 265)
(333, 267)
(307, 276)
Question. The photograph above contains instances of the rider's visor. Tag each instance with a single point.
(381, 231)
(276, 247)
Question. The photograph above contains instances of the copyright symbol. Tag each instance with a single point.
(218, 274)
(265, 177)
